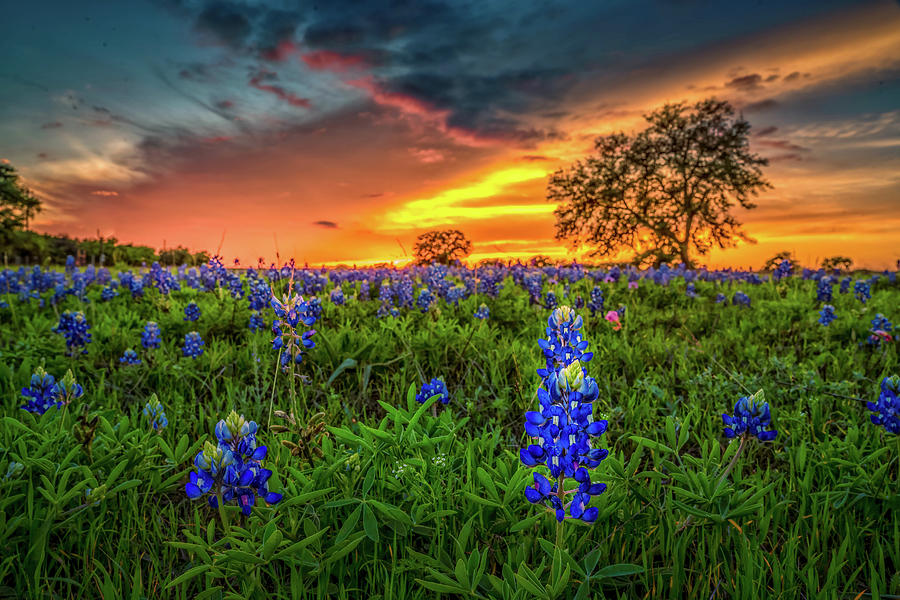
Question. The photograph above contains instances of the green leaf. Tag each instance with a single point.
(189, 574)
(349, 525)
(618, 570)
(642, 441)
(349, 363)
(370, 523)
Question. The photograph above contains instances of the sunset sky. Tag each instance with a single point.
(336, 131)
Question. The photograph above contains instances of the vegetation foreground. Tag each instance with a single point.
(422, 442)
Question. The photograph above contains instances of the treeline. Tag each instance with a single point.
(31, 248)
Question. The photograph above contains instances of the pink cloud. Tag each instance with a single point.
(294, 100)
(326, 60)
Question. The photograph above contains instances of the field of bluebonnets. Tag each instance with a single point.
(420, 432)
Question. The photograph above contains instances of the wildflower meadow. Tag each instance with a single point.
(507, 431)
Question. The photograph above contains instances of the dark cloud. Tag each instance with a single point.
(780, 145)
(260, 81)
(795, 76)
(326, 224)
(226, 23)
(52, 125)
(374, 195)
(275, 37)
(746, 83)
(224, 104)
(762, 105)
(766, 131)
(534, 157)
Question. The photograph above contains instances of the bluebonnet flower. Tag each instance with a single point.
(130, 357)
(550, 301)
(290, 312)
(67, 389)
(425, 299)
(826, 315)
(436, 387)
(41, 393)
(690, 290)
(232, 468)
(845, 285)
(257, 322)
(193, 345)
(150, 337)
(483, 311)
(156, 413)
(880, 331)
(740, 298)
(824, 290)
(191, 312)
(751, 417)
(564, 343)
(337, 296)
(74, 327)
(886, 410)
(596, 301)
(784, 269)
(565, 427)
(862, 291)
(720, 298)
(108, 294)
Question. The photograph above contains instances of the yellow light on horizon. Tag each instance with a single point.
(450, 206)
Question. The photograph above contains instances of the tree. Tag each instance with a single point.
(17, 206)
(837, 263)
(441, 246)
(664, 192)
(774, 261)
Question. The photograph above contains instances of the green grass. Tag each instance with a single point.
(404, 504)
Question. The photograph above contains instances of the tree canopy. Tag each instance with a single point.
(665, 192)
(442, 247)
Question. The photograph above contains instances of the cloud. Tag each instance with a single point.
(326, 224)
(259, 80)
(746, 83)
(427, 155)
(762, 105)
(104, 193)
(52, 125)
(327, 60)
(225, 23)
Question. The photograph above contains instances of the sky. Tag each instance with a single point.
(337, 131)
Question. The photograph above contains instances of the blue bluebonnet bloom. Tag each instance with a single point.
(156, 413)
(596, 301)
(826, 315)
(845, 285)
(130, 357)
(886, 410)
(232, 467)
(740, 298)
(150, 337)
(751, 417)
(720, 298)
(690, 290)
(435, 387)
(41, 393)
(108, 294)
(862, 291)
(824, 290)
(256, 322)
(483, 311)
(425, 299)
(191, 312)
(550, 301)
(337, 296)
(784, 269)
(67, 389)
(880, 331)
(564, 426)
(289, 313)
(74, 327)
(193, 345)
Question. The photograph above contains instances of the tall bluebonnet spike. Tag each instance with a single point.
(564, 426)
(290, 311)
(41, 393)
(886, 409)
(156, 413)
(191, 312)
(193, 345)
(74, 327)
(862, 291)
(826, 315)
(483, 312)
(751, 417)
(151, 335)
(130, 357)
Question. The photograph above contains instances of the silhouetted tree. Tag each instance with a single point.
(17, 206)
(664, 192)
(776, 260)
(441, 246)
(837, 262)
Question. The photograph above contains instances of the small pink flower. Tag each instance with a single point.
(884, 335)
(613, 317)
(632, 285)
